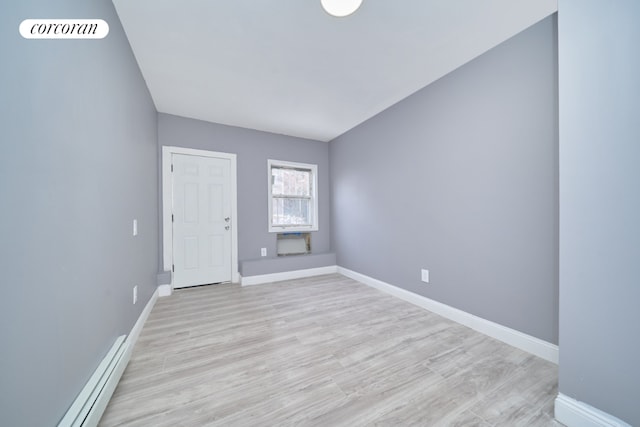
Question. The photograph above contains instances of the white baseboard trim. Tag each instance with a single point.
(164, 290)
(88, 407)
(235, 277)
(573, 413)
(510, 336)
(287, 275)
(137, 328)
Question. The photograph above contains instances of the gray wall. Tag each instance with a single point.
(253, 148)
(78, 164)
(461, 179)
(600, 204)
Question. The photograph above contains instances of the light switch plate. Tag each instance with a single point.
(135, 227)
(263, 251)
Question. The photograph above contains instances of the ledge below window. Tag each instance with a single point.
(261, 266)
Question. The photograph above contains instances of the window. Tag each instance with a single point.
(293, 196)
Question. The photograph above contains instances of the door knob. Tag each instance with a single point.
(227, 227)
(227, 219)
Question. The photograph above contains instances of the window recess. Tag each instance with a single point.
(293, 196)
(293, 243)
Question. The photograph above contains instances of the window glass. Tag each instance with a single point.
(292, 193)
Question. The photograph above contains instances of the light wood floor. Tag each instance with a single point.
(322, 351)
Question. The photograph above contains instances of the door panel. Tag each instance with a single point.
(201, 226)
(190, 252)
(216, 249)
(216, 210)
(191, 203)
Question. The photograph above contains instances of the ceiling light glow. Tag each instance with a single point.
(340, 8)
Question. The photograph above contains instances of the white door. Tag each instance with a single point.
(201, 220)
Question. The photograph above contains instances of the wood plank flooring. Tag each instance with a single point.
(322, 351)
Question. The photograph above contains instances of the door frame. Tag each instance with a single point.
(167, 206)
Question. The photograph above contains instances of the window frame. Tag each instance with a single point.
(271, 163)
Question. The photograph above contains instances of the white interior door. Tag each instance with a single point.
(201, 220)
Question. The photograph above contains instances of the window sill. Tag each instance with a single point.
(292, 229)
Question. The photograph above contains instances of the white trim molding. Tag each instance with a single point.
(574, 413)
(287, 275)
(510, 336)
(165, 290)
(89, 405)
(167, 204)
(137, 328)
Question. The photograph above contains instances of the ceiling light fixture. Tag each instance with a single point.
(340, 8)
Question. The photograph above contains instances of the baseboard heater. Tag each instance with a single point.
(88, 407)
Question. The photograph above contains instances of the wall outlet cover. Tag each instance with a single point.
(135, 227)
(425, 276)
(263, 251)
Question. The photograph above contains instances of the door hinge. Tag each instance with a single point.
(171, 217)
(172, 167)
(173, 268)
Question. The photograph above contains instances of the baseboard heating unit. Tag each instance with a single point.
(88, 407)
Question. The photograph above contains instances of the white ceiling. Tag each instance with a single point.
(285, 66)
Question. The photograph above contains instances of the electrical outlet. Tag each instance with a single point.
(135, 227)
(135, 294)
(425, 275)
(263, 251)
